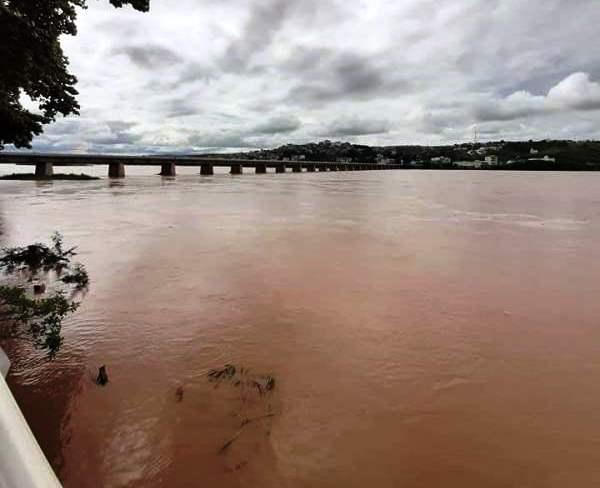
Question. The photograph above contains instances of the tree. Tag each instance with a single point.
(32, 63)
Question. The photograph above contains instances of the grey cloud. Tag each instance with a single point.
(180, 107)
(120, 125)
(149, 56)
(266, 18)
(356, 127)
(120, 133)
(440, 121)
(494, 111)
(277, 125)
(328, 75)
(121, 138)
(195, 72)
(225, 139)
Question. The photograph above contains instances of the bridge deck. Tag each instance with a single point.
(93, 159)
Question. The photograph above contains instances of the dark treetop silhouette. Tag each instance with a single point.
(32, 62)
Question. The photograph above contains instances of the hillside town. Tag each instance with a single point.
(545, 154)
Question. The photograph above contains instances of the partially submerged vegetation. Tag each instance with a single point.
(28, 272)
(254, 389)
(57, 176)
(242, 377)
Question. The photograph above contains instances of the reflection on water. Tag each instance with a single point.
(425, 329)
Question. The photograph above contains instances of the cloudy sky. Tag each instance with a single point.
(218, 75)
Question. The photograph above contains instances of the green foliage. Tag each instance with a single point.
(23, 315)
(42, 317)
(37, 257)
(33, 64)
(78, 277)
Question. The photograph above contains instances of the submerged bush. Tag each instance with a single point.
(78, 276)
(37, 257)
(23, 315)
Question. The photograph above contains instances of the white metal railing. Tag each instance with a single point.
(22, 462)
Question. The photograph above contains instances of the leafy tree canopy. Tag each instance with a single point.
(32, 63)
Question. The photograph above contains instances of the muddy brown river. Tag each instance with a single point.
(424, 329)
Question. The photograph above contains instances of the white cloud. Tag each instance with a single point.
(576, 92)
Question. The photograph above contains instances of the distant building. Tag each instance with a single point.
(343, 160)
(533, 151)
(491, 160)
(441, 160)
(381, 159)
(468, 164)
(546, 158)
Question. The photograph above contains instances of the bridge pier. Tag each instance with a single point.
(310, 168)
(44, 170)
(261, 168)
(297, 168)
(206, 169)
(236, 169)
(167, 169)
(280, 168)
(116, 170)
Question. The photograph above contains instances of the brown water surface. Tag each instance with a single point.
(424, 329)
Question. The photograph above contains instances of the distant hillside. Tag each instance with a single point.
(562, 155)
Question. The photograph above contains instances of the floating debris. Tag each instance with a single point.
(225, 446)
(242, 377)
(39, 288)
(237, 467)
(102, 378)
(264, 384)
(179, 394)
(227, 373)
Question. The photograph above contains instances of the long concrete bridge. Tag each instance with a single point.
(44, 163)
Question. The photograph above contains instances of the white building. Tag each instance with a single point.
(491, 160)
(468, 164)
(546, 158)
